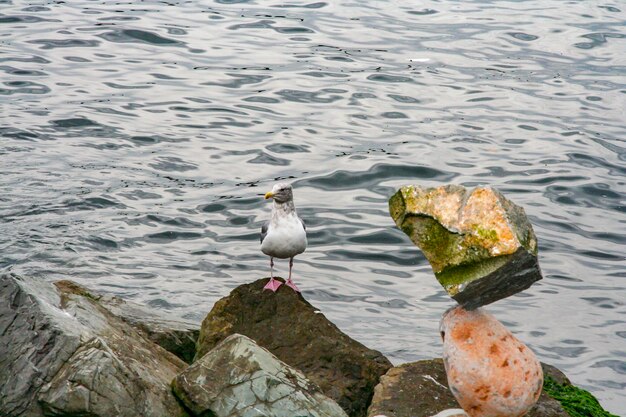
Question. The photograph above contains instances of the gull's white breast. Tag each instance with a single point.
(285, 237)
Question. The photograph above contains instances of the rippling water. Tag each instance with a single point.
(138, 138)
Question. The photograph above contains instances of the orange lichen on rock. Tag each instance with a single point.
(483, 217)
(480, 245)
(490, 372)
(442, 203)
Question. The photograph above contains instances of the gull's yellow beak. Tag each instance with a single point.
(269, 195)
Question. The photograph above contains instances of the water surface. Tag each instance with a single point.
(138, 139)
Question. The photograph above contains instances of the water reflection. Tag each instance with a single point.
(138, 141)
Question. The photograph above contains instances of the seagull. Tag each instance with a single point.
(284, 235)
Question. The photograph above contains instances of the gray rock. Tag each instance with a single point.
(172, 334)
(238, 378)
(36, 338)
(65, 355)
(452, 412)
(420, 389)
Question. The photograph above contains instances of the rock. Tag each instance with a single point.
(480, 245)
(417, 389)
(490, 372)
(452, 412)
(420, 389)
(576, 401)
(63, 354)
(37, 338)
(553, 372)
(298, 334)
(238, 378)
(172, 334)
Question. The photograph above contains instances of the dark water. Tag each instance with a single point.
(138, 138)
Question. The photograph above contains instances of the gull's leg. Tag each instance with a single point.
(272, 284)
(289, 282)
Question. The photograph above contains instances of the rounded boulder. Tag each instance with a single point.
(490, 372)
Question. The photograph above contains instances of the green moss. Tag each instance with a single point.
(439, 245)
(487, 235)
(70, 287)
(576, 401)
(397, 207)
(451, 278)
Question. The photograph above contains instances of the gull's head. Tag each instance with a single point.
(281, 193)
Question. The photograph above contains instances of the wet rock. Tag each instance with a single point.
(417, 389)
(63, 354)
(37, 338)
(172, 334)
(420, 389)
(238, 378)
(576, 401)
(480, 245)
(452, 412)
(298, 334)
(490, 372)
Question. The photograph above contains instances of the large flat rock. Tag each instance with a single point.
(420, 389)
(480, 245)
(298, 334)
(63, 354)
(171, 333)
(240, 379)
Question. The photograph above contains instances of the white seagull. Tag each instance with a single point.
(284, 235)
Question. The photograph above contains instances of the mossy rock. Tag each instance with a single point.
(576, 401)
(480, 245)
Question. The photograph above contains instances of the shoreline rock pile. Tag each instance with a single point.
(66, 351)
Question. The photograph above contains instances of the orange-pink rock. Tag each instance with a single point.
(490, 372)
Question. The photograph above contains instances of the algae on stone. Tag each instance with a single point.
(480, 245)
(576, 401)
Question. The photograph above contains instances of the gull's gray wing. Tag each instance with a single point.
(302, 221)
(264, 228)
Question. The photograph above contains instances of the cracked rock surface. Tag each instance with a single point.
(63, 354)
(238, 378)
(174, 335)
(420, 389)
(299, 335)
